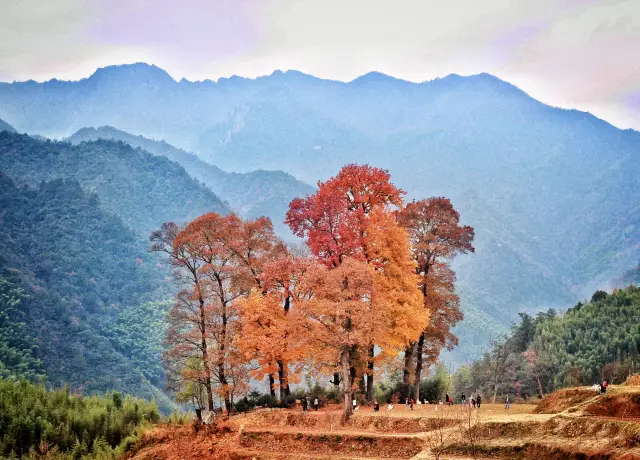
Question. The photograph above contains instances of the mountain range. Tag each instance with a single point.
(554, 195)
(251, 195)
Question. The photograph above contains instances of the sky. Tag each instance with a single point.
(582, 54)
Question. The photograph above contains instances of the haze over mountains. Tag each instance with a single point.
(252, 194)
(554, 195)
(144, 190)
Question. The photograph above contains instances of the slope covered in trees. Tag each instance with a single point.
(57, 424)
(67, 272)
(142, 189)
(553, 193)
(592, 341)
(252, 194)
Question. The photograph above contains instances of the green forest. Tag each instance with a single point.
(69, 272)
(36, 422)
(593, 341)
(142, 189)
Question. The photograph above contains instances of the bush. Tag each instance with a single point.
(244, 405)
(36, 421)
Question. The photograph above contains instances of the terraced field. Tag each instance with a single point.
(569, 424)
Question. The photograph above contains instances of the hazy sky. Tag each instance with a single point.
(581, 54)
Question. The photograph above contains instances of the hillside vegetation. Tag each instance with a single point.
(144, 190)
(68, 271)
(593, 341)
(252, 194)
(36, 423)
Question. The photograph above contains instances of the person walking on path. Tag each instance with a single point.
(478, 401)
(411, 403)
(406, 404)
(316, 403)
(603, 387)
(304, 404)
(473, 402)
(507, 403)
(463, 399)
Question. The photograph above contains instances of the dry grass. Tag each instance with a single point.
(562, 400)
(623, 406)
(569, 424)
(633, 380)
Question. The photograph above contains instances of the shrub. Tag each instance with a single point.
(36, 421)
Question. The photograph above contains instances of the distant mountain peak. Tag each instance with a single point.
(477, 80)
(140, 71)
(375, 77)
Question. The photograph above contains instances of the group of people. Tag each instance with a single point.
(473, 402)
(602, 388)
(306, 403)
(410, 403)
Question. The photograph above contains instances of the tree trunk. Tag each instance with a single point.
(495, 392)
(283, 367)
(272, 386)
(205, 354)
(539, 386)
(353, 371)
(284, 380)
(370, 373)
(225, 386)
(418, 375)
(406, 372)
(345, 369)
(221, 371)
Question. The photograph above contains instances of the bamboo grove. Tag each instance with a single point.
(373, 283)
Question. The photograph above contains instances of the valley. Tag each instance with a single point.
(550, 191)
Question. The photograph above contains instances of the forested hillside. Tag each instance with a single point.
(68, 272)
(144, 190)
(37, 423)
(552, 193)
(253, 194)
(593, 341)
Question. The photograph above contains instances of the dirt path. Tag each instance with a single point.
(343, 432)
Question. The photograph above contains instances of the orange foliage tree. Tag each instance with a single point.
(273, 330)
(187, 360)
(336, 318)
(253, 244)
(218, 286)
(204, 323)
(351, 216)
(436, 236)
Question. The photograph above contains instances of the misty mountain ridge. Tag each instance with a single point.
(144, 190)
(554, 194)
(4, 126)
(251, 195)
